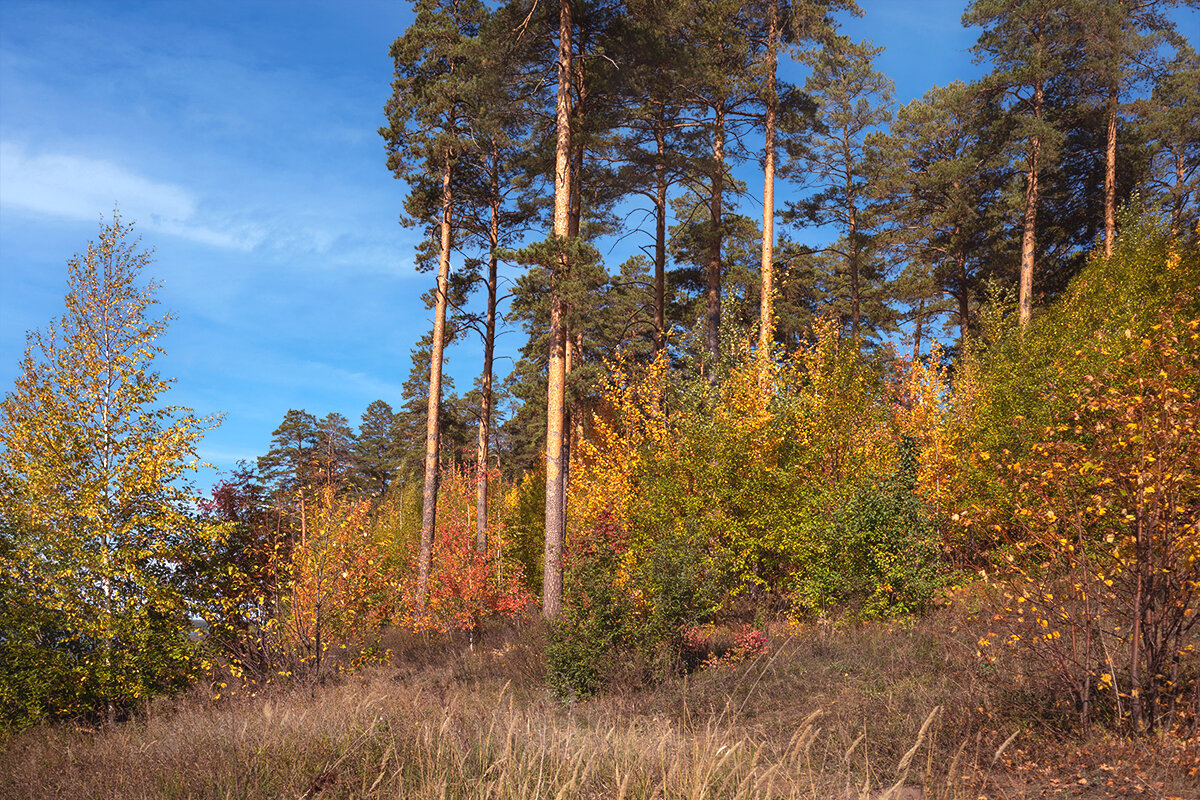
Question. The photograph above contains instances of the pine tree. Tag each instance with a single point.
(376, 452)
(1171, 117)
(560, 266)
(770, 101)
(1119, 40)
(852, 100)
(937, 178)
(786, 25)
(425, 138)
(653, 142)
(291, 462)
(498, 197)
(1026, 42)
(720, 53)
(335, 443)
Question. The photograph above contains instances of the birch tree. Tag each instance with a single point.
(92, 492)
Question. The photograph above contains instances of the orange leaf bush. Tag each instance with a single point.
(465, 586)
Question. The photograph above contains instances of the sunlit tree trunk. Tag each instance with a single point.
(916, 356)
(1110, 175)
(964, 310)
(660, 236)
(852, 244)
(1028, 237)
(489, 346)
(556, 383)
(715, 211)
(433, 413)
(766, 322)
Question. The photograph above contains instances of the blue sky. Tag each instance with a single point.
(241, 137)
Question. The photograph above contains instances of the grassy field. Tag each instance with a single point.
(897, 711)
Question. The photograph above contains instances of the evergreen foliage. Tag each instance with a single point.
(735, 426)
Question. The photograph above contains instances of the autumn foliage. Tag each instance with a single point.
(94, 514)
(1055, 465)
(1087, 496)
(1103, 543)
(466, 587)
(760, 472)
(342, 589)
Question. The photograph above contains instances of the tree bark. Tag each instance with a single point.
(571, 335)
(1136, 701)
(485, 387)
(569, 356)
(556, 384)
(433, 412)
(917, 331)
(852, 242)
(964, 310)
(713, 272)
(660, 236)
(766, 323)
(1028, 238)
(1180, 198)
(1110, 175)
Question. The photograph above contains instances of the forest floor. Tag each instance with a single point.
(830, 711)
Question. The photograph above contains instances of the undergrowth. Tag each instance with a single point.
(828, 710)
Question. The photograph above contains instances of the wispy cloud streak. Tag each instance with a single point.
(73, 187)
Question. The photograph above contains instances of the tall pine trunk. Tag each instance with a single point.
(964, 310)
(485, 382)
(572, 336)
(1028, 237)
(917, 331)
(660, 232)
(766, 323)
(108, 541)
(1180, 197)
(434, 409)
(1110, 175)
(715, 211)
(556, 383)
(852, 245)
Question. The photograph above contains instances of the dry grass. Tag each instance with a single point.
(829, 713)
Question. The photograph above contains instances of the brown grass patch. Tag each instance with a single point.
(829, 712)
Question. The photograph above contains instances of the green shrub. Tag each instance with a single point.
(885, 547)
(625, 611)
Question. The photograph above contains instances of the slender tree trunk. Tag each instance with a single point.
(1028, 238)
(1136, 701)
(570, 335)
(855, 292)
(485, 383)
(552, 571)
(1181, 197)
(766, 320)
(569, 355)
(110, 708)
(319, 616)
(578, 154)
(108, 539)
(964, 310)
(1110, 175)
(572, 427)
(433, 412)
(713, 272)
(916, 356)
(303, 521)
(660, 235)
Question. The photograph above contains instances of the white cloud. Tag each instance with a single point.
(321, 374)
(79, 188)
